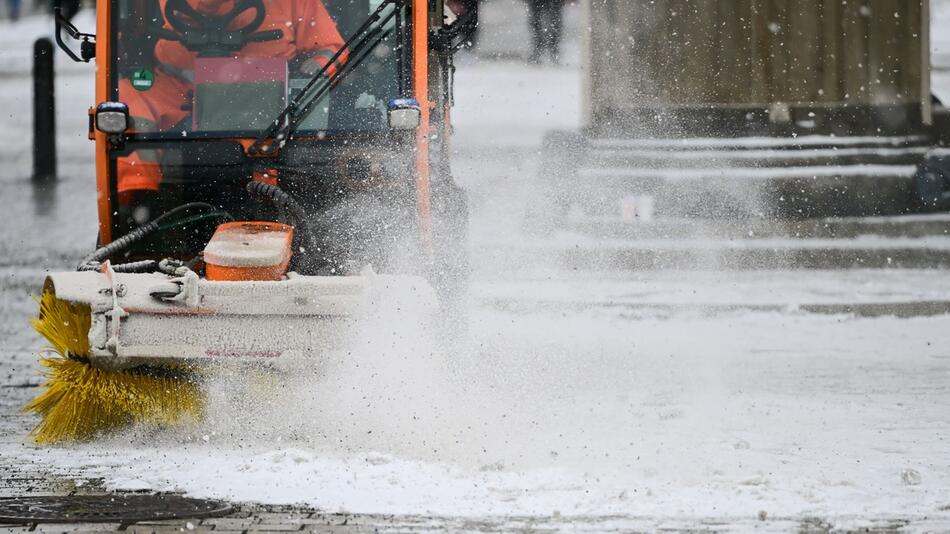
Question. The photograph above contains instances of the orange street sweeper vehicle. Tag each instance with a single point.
(268, 171)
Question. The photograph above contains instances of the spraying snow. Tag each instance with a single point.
(587, 414)
(579, 393)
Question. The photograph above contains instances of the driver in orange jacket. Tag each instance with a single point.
(309, 39)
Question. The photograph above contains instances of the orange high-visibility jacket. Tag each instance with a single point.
(306, 26)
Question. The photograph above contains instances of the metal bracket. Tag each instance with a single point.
(87, 45)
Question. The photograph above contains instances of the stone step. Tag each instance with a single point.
(804, 177)
(902, 309)
(740, 143)
(654, 159)
(765, 192)
(571, 251)
(862, 292)
(908, 226)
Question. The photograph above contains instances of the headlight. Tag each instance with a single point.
(404, 114)
(112, 117)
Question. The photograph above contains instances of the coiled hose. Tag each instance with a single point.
(101, 254)
(288, 203)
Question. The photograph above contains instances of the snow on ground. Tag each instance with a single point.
(588, 410)
(597, 414)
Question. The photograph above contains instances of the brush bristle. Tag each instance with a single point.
(64, 324)
(82, 401)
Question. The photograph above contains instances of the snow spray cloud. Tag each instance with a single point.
(386, 389)
(550, 389)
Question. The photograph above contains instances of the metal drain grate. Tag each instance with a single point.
(119, 508)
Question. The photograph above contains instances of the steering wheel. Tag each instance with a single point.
(210, 35)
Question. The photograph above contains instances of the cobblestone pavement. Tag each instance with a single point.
(252, 519)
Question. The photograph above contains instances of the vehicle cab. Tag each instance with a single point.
(342, 104)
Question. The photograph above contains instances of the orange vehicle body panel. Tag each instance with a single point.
(420, 84)
(103, 57)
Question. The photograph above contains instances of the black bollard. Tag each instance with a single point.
(44, 112)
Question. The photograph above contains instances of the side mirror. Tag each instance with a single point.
(456, 34)
(404, 114)
(87, 41)
(112, 117)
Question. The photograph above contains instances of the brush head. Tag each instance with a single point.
(82, 401)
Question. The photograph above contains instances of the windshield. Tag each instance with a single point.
(230, 66)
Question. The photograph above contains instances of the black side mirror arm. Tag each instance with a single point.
(452, 38)
(87, 45)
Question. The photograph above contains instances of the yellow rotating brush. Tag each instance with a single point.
(82, 401)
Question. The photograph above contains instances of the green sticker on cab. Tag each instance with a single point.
(143, 79)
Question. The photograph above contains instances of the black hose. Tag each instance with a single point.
(279, 197)
(286, 202)
(144, 266)
(92, 261)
